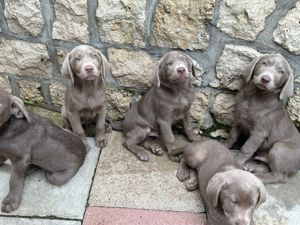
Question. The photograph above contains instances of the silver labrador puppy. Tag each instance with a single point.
(28, 139)
(230, 194)
(261, 117)
(166, 103)
(85, 99)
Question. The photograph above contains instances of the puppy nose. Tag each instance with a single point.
(265, 79)
(181, 70)
(89, 69)
(241, 222)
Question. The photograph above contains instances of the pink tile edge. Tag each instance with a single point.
(124, 216)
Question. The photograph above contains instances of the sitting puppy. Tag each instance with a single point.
(28, 139)
(230, 195)
(85, 99)
(262, 119)
(167, 102)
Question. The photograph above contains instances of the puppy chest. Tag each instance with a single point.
(183, 103)
(90, 113)
(247, 114)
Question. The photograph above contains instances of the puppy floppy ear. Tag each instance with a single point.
(288, 88)
(18, 108)
(248, 71)
(262, 197)
(155, 74)
(105, 67)
(214, 187)
(191, 66)
(66, 69)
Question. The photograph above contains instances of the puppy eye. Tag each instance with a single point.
(77, 59)
(94, 55)
(282, 72)
(170, 63)
(234, 201)
(264, 63)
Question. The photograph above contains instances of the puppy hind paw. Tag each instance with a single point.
(143, 156)
(10, 204)
(157, 151)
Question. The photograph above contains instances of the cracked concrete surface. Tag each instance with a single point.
(123, 182)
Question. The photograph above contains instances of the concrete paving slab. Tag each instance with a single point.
(29, 221)
(283, 204)
(43, 199)
(122, 180)
(121, 216)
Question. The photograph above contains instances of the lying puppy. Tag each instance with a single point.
(85, 99)
(28, 139)
(230, 195)
(261, 117)
(167, 102)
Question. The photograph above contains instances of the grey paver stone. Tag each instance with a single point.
(122, 180)
(43, 199)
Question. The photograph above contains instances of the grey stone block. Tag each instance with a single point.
(122, 180)
(43, 199)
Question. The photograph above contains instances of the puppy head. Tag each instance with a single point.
(237, 193)
(271, 72)
(174, 67)
(11, 105)
(85, 63)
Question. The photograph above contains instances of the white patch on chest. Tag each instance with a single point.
(92, 104)
(184, 102)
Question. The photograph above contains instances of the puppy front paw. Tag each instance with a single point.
(182, 175)
(193, 137)
(240, 159)
(191, 184)
(10, 203)
(175, 158)
(87, 146)
(101, 141)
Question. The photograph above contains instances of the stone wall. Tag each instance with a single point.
(220, 35)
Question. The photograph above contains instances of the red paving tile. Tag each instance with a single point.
(121, 216)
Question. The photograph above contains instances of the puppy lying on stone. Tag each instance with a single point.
(166, 103)
(262, 119)
(28, 139)
(230, 195)
(85, 99)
